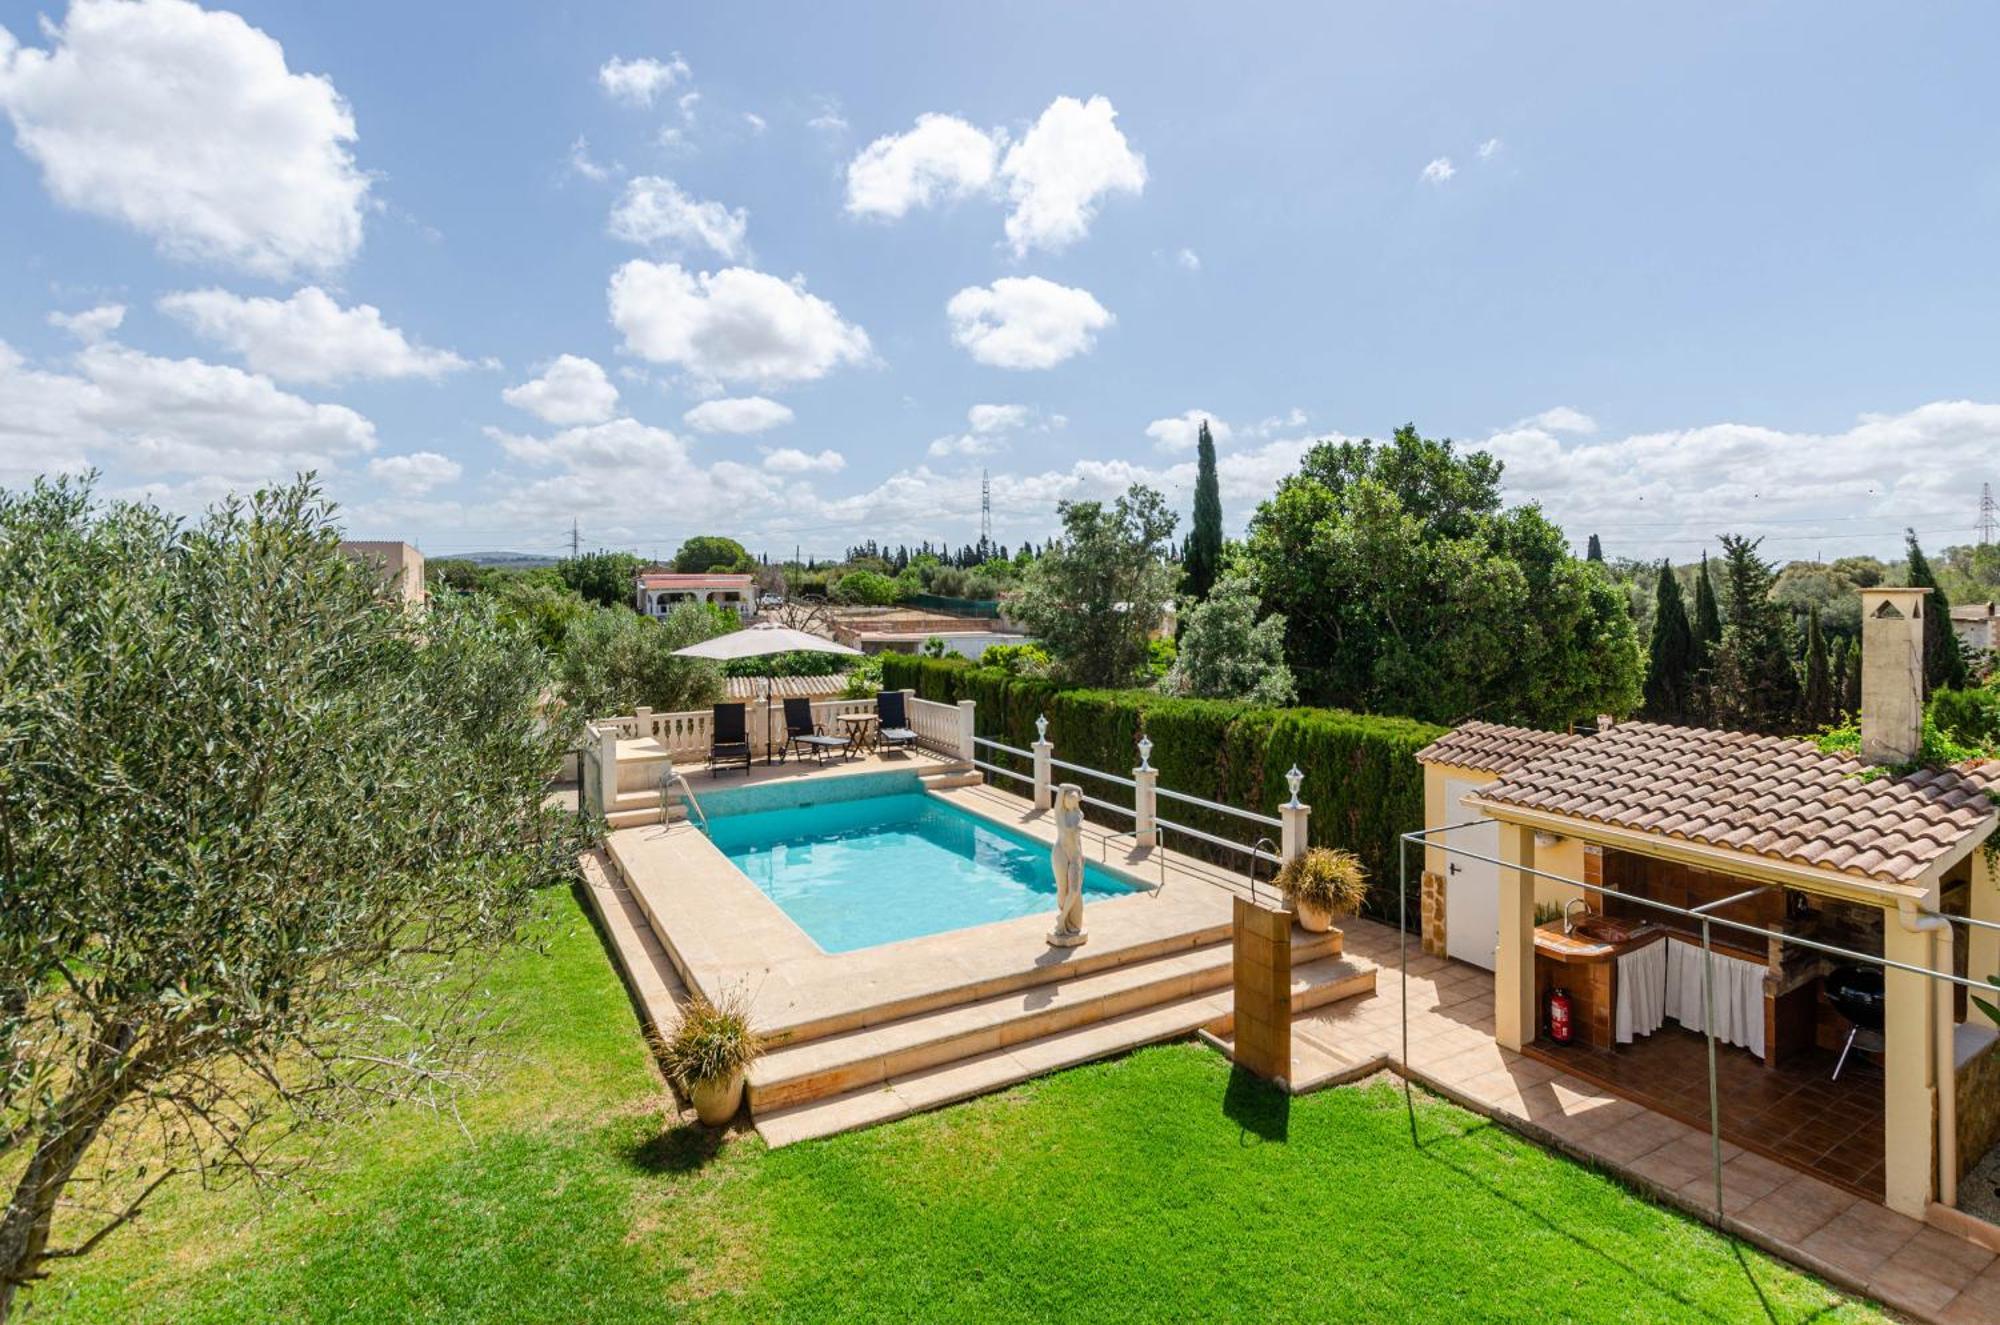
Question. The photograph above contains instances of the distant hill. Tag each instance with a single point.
(510, 560)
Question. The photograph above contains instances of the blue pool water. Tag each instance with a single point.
(853, 873)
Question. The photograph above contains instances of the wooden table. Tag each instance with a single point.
(861, 728)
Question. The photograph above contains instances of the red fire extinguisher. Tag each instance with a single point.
(1559, 1025)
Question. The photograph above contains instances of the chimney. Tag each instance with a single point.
(1892, 674)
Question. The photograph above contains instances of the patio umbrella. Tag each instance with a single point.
(761, 641)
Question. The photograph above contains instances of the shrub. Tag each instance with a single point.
(1972, 716)
(615, 660)
(713, 1040)
(1331, 880)
(1362, 777)
(867, 588)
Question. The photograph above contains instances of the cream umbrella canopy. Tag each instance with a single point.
(762, 641)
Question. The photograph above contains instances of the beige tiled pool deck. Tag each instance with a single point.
(724, 933)
(1918, 1270)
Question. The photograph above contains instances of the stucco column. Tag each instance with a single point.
(1145, 805)
(643, 719)
(607, 767)
(1044, 750)
(967, 712)
(1514, 961)
(1982, 950)
(1909, 1097)
(1293, 836)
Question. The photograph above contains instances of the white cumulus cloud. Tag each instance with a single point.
(734, 325)
(788, 460)
(942, 159)
(638, 82)
(1025, 322)
(92, 324)
(1438, 171)
(120, 408)
(654, 210)
(1489, 148)
(1181, 432)
(416, 473)
(1561, 418)
(737, 414)
(1056, 175)
(572, 389)
(187, 125)
(308, 337)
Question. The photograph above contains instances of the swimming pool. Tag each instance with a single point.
(891, 863)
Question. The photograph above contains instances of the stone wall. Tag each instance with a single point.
(1263, 984)
(1431, 921)
(1978, 1108)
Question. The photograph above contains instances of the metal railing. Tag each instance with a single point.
(1268, 820)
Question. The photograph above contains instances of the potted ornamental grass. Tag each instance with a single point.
(705, 1056)
(1321, 884)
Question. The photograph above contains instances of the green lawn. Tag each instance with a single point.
(1153, 1187)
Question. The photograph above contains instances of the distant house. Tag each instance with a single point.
(658, 593)
(1976, 627)
(400, 562)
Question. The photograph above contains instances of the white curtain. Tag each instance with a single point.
(1739, 995)
(1642, 991)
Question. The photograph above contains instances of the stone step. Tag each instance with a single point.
(946, 781)
(1315, 983)
(948, 1083)
(834, 1064)
(649, 972)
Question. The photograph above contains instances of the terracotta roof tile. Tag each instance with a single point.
(1772, 796)
(1491, 747)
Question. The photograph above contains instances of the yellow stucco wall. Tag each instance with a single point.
(1565, 857)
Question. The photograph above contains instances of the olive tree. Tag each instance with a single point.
(260, 828)
(1227, 653)
(1097, 594)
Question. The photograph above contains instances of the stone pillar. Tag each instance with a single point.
(643, 720)
(1263, 985)
(1909, 1090)
(966, 710)
(1431, 916)
(1146, 805)
(1982, 946)
(1293, 838)
(1514, 962)
(607, 767)
(1044, 750)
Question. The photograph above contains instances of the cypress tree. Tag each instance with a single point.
(1670, 671)
(1203, 557)
(1944, 665)
(1594, 551)
(1707, 616)
(1756, 685)
(1819, 695)
(1850, 679)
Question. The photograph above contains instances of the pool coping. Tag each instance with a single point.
(722, 933)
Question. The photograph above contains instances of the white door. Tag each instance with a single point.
(1472, 887)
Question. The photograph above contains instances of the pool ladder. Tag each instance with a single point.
(673, 776)
(1255, 847)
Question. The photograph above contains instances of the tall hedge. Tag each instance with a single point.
(1361, 775)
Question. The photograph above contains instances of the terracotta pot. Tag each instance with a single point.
(716, 1102)
(1313, 919)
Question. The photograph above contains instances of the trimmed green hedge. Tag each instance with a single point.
(1361, 777)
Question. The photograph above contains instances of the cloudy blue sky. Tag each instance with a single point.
(799, 273)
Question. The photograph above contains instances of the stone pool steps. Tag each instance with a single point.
(1315, 982)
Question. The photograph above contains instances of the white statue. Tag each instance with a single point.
(1067, 861)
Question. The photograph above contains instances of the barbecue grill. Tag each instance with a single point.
(1856, 992)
